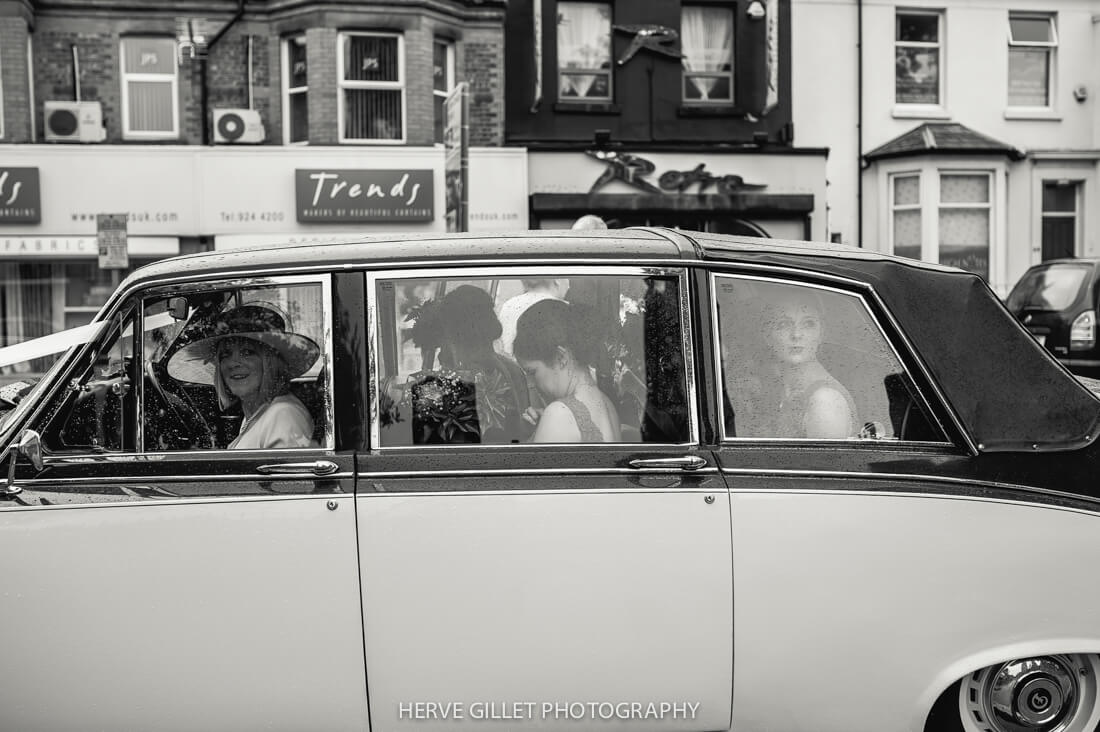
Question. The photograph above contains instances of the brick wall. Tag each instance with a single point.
(479, 60)
(13, 79)
(483, 68)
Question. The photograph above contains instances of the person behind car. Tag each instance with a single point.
(799, 397)
(250, 360)
(555, 348)
(534, 291)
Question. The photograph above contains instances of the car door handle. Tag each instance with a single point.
(317, 467)
(684, 462)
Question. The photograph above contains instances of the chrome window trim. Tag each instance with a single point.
(190, 500)
(218, 478)
(859, 297)
(680, 271)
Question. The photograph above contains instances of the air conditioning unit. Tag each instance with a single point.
(74, 122)
(236, 126)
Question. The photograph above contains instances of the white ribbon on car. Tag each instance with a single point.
(50, 344)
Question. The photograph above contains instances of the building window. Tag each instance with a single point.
(150, 98)
(372, 87)
(1060, 218)
(443, 81)
(584, 51)
(296, 87)
(1032, 40)
(964, 221)
(707, 32)
(905, 214)
(943, 216)
(918, 62)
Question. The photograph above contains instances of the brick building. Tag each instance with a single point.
(218, 123)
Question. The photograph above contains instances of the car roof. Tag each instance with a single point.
(976, 352)
(638, 243)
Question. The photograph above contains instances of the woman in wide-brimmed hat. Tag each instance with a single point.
(251, 357)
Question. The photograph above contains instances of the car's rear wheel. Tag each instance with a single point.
(1039, 694)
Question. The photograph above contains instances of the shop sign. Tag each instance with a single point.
(19, 247)
(634, 170)
(325, 196)
(20, 200)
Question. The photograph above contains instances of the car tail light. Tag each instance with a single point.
(1082, 334)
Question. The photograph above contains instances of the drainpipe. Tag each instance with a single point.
(203, 67)
(859, 123)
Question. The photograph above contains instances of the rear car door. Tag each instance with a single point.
(162, 580)
(848, 556)
(543, 585)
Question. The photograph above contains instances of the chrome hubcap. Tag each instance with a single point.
(1032, 694)
(1040, 694)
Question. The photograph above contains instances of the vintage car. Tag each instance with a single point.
(644, 479)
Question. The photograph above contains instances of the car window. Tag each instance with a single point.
(95, 411)
(807, 362)
(1053, 287)
(512, 358)
(236, 368)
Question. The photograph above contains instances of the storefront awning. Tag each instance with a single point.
(742, 204)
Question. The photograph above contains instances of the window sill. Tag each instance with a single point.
(709, 110)
(917, 111)
(1047, 115)
(587, 107)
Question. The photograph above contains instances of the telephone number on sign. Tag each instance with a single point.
(231, 216)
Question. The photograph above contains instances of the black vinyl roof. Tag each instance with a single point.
(1007, 391)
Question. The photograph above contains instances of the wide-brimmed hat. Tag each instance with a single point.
(196, 362)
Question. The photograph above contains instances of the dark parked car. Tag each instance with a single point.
(1057, 302)
(711, 483)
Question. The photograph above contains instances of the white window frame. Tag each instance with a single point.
(965, 206)
(449, 61)
(930, 170)
(923, 109)
(685, 74)
(1078, 197)
(1052, 57)
(895, 207)
(289, 91)
(346, 85)
(609, 72)
(126, 78)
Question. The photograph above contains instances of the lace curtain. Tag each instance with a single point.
(584, 43)
(708, 48)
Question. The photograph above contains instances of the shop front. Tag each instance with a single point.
(751, 193)
(175, 200)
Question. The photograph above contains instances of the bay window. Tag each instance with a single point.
(943, 216)
(707, 33)
(372, 87)
(150, 98)
(584, 51)
(905, 214)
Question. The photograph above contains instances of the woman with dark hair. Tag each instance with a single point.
(467, 326)
(555, 346)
